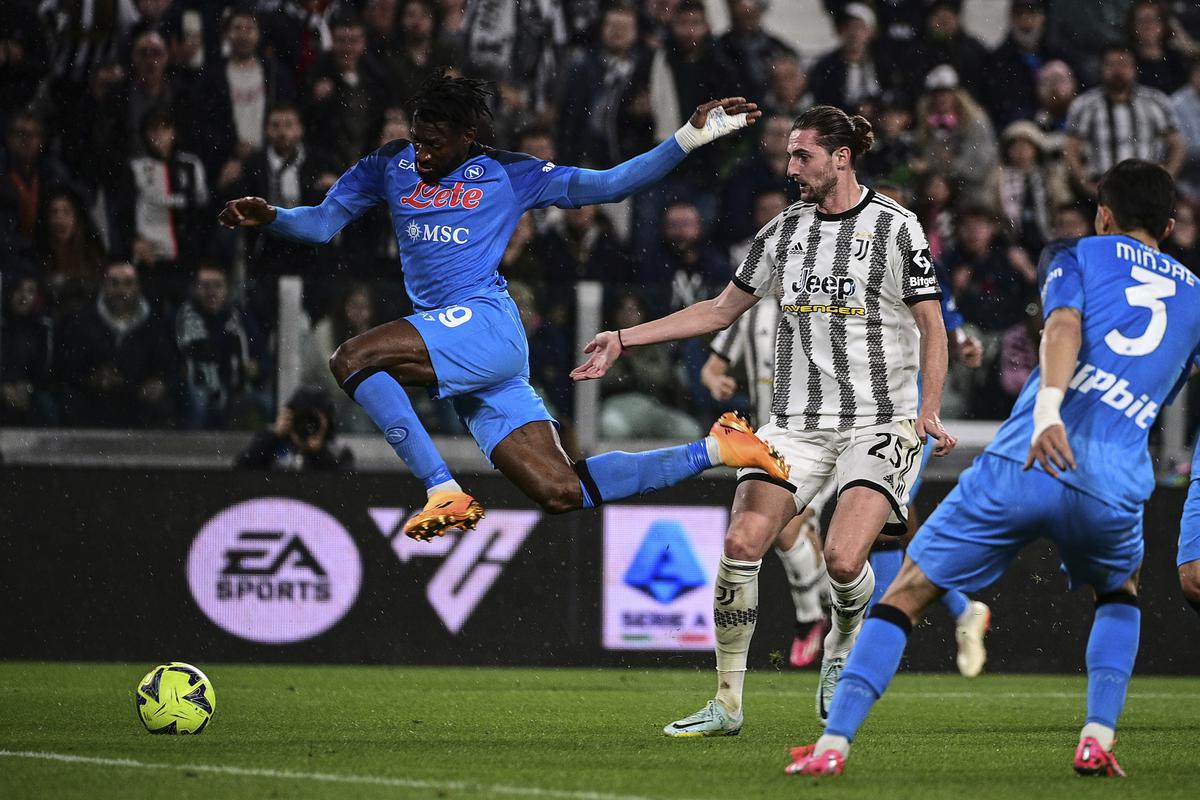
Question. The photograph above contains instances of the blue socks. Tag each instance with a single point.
(886, 563)
(388, 404)
(1111, 650)
(612, 476)
(873, 662)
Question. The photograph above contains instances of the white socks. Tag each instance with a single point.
(714, 451)
(827, 742)
(1101, 733)
(806, 576)
(849, 606)
(445, 486)
(735, 612)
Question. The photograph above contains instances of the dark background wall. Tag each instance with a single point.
(93, 565)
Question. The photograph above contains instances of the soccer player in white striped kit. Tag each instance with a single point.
(853, 276)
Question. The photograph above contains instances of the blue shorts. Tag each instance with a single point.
(1189, 527)
(481, 359)
(997, 508)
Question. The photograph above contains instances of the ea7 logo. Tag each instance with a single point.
(473, 562)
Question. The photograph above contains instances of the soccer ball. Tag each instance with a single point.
(175, 698)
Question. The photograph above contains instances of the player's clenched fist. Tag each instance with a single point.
(246, 212)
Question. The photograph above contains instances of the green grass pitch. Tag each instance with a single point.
(401, 732)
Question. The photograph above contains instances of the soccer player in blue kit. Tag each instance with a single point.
(1188, 556)
(454, 204)
(1071, 463)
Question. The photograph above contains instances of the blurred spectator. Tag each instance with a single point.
(520, 261)
(161, 212)
(452, 31)
(353, 313)
(605, 114)
(24, 55)
(113, 361)
(1120, 120)
(1186, 103)
(27, 175)
(1015, 362)
(1011, 87)
(1056, 90)
(26, 334)
(855, 70)
(580, 245)
(683, 269)
(767, 206)
(302, 439)
(235, 95)
(71, 254)
(346, 94)
(117, 105)
(640, 391)
(1026, 187)
(418, 53)
(688, 71)
(1084, 29)
(1184, 242)
(788, 93)
(749, 47)
(765, 171)
(892, 156)
(943, 41)
(298, 32)
(954, 135)
(1072, 221)
(550, 356)
(934, 201)
(1160, 65)
(518, 43)
(221, 352)
(287, 174)
(992, 281)
(383, 33)
(82, 36)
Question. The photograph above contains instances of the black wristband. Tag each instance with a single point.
(619, 340)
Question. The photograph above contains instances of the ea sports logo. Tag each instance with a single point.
(274, 570)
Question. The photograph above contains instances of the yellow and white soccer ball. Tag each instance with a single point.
(175, 698)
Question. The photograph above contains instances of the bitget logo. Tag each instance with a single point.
(274, 570)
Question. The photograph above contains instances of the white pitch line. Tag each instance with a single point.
(1082, 693)
(323, 777)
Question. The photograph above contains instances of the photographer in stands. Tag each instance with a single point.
(302, 438)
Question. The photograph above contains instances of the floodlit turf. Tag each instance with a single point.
(350, 732)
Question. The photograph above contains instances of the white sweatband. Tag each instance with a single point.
(1045, 410)
(717, 125)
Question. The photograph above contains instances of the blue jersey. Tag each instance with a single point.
(1141, 329)
(452, 235)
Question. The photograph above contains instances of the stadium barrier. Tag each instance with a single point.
(131, 564)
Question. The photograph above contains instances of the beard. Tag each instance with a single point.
(820, 191)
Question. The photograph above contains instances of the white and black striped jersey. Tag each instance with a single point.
(846, 346)
(751, 341)
(1114, 132)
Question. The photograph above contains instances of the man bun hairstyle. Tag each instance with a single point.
(458, 102)
(835, 128)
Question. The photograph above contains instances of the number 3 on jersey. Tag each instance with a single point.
(454, 316)
(1149, 293)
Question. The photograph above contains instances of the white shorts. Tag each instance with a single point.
(886, 458)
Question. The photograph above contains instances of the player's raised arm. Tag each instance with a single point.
(695, 320)
(712, 120)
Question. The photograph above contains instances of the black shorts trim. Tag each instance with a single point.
(765, 478)
(889, 528)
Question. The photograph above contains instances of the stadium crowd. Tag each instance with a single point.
(128, 123)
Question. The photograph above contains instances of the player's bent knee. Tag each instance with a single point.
(346, 361)
(842, 566)
(560, 497)
(745, 543)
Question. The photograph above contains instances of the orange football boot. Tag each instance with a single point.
(741, 448)
(445, 511)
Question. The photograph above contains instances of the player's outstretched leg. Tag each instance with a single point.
(1112, 648)
(760, 511)
(805, 570)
